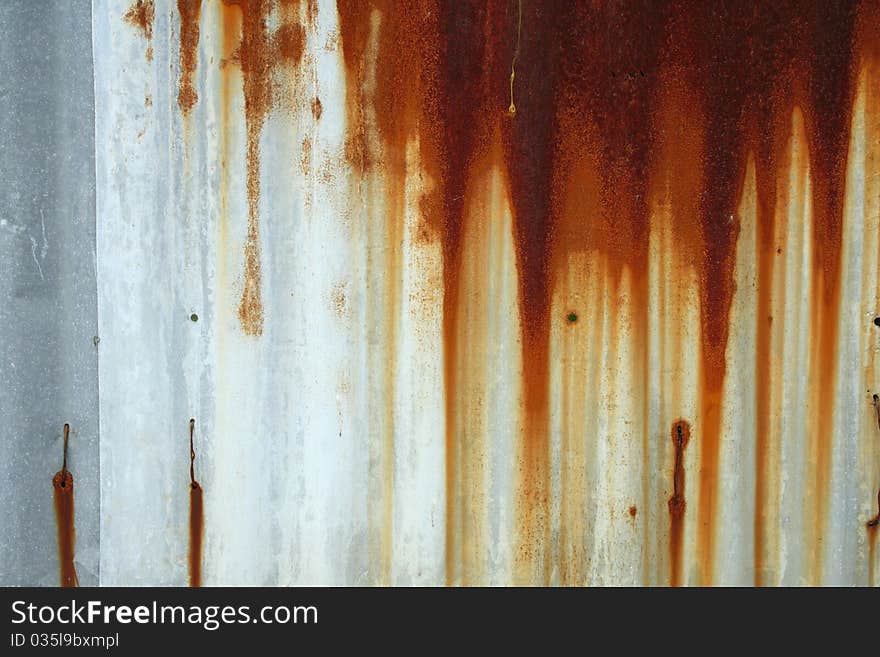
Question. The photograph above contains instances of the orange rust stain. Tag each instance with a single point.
(633, 510)
(317, 108)
(725, 76)
(827, 117)
(261, 53)
(62, 484)
(140, 15)
(681, 434)
(771, 162)
(580, 344)
(196, 516)
(190, 13)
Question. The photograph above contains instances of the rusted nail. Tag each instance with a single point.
(64, 460)
(192, 454)
(876, 519)
(196, 516)
(877, 408)
(680, 438)
(62, 484)
(681, 432)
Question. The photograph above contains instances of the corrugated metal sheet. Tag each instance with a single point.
(48, 324)
(500, 292)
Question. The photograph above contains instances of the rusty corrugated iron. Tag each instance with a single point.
(460, 271)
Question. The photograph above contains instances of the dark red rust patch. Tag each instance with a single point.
(62, 485)
(190, 13)
(681, 434)
(196, 516)
(317, 108)
(633, 510)
(140, 15)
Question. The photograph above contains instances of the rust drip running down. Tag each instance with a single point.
(681, 434)
(261, 54)
(62, 484)
(140, 15)
(190, 13)
(196, 516)
(592, 149)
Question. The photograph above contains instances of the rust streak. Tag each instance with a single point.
(261, 54)
(196, 516)
(595, 121)
(140, 15)
(62, 484)
(681, 434)
(828, 120)
(190, 12)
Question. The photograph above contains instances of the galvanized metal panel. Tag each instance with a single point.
(48, 353)
(429, 340)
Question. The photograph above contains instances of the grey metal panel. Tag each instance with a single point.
(48, 305)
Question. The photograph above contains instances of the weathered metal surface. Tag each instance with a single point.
(48, 356)
(489, 292)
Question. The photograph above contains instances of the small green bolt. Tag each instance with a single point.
(572, 317)
(194, 317)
